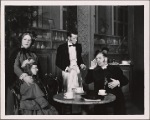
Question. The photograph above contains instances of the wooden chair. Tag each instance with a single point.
(50, 86)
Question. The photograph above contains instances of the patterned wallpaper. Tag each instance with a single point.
(83, 27)
(86, 21)
(86, 29)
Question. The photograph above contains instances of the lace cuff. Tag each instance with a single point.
(22, 76)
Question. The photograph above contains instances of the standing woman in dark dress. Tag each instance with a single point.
(24, 56)
(107, 77)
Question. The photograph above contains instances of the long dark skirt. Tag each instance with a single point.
(33, 101)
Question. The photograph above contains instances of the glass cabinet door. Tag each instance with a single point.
(120, 20)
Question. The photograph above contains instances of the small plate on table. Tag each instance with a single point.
(102, 94)
(68, 98)
(92, 99)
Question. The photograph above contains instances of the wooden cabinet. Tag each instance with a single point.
(45, 47)
(120, 20)
(47, 62)
(117, 45)
(48, 39)
(58, 37)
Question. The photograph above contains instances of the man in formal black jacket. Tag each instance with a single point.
(69, 58)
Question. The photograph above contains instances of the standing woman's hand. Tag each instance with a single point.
(24, 63)
(28, 80)
(93, 64)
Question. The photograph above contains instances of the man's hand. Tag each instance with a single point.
(28, 80)
(83, 67)
(68, 69)
(114, 83)
(93, 64)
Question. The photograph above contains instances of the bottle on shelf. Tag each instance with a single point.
(48, 46)
(56, 37)
(62, 37)
(33, 46)
(38, 45)
(53, 37)
(59, 38)
(113, 60)
(34, 24)
(42, 46)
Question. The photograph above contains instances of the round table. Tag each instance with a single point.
(60, 98)
(78, 100)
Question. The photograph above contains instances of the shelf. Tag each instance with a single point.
(108, 35)
(38, 28)
(56, 30)
(99, 44)
(117, 53)
(37, 50)
(113, 44)
(106, 44)
(56, 41)
(43, 40)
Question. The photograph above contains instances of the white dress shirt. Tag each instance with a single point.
(105, 66)
(72, 54)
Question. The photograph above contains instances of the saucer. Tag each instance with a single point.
(68, 98)
(92, 99)
(102, 94)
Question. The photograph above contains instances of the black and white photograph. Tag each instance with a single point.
(75, 59)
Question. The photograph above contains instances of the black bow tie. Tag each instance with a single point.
(72, 45)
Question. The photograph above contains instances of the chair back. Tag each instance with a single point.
(52, 85)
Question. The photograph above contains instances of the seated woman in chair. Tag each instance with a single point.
(32, 97)
(107, 77)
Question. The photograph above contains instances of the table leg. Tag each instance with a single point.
(66, 108)
(100, 109)
(87, 109)
(93, 110)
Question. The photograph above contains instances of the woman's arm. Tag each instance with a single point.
(18, 71)
(17, 66)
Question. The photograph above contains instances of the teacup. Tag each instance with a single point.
(125, 62)
(68, 95)
(79, 90)
(102, 92)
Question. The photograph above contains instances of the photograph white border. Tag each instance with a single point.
(83, 3)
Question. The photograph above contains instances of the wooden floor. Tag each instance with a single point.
(134, 108)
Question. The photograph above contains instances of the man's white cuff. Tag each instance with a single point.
(91, 68)
(66, 70)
